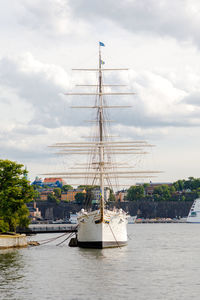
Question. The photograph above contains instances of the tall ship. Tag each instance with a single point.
(194, 213)
(102, 227)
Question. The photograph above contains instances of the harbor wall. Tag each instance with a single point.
(13, 241)
(162, 209)
(144, 209)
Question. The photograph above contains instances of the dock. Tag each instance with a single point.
(49, 228)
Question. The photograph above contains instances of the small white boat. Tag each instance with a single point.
(132, 219)
(194, 214)
(73, 218)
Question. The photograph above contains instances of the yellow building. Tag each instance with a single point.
(70, 196)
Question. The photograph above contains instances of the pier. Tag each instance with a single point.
(49, 228)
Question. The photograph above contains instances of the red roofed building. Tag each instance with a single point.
(54, 181)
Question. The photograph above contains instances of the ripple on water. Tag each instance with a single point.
(161, 261)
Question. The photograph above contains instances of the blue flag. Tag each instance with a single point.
(101, 44)
(102, 62)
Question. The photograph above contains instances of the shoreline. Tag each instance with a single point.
(13, 241)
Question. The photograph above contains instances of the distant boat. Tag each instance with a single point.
(73, 219)
(132, 219)
(194, 214)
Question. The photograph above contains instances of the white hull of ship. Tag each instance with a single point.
(112, 232)
(194, 214)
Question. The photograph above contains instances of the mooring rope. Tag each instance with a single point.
(129, 237)
(53, 239)
(49, 240)
(71, 234)
(114, 236)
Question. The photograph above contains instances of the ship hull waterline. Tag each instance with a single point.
(194, 213)
(101, 245)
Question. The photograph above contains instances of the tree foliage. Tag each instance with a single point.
(66, 187)
(180, 190)
(55, 196)
(15, 192)
(135, 192)
(192, 184)
(111, 196)
(88, 187)
(162, 192)
(57, 192)
(79, 198)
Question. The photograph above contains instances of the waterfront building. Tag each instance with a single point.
(63, 196)
(120, 195)
(53, 182)
(70, 196)
(49, 182)
(34, 212)
(96, 194)
(43, 195)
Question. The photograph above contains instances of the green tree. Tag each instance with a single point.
(15, 192)
(111, 196)
(79, 198)
(135, 192)
(52, 198)
(57, 193)
(162, 193)
(88, 187)
(183, 198)
(145, 185)
(66, 187)
(36, 196)
(179, 185)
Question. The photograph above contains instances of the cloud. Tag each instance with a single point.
(32, 141)
(37, 113)
(178, 19)
(38, 89)
(193, 99)
(157, 103)
(52, 17)
(41, 40)
(162, 18)
(39, 86)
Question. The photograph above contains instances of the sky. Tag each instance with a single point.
(158, 40)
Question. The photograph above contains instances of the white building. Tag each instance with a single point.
(96, 194)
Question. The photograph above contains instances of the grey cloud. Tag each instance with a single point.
(43, 16)
(50, 108)
(41, 91)
(178, 19)
(138, 117)
(29, 130)
(13, 153)
(192, 99)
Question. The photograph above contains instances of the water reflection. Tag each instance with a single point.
(107, 253)
(11, 272)
(91, 253)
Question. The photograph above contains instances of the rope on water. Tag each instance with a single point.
(46, 241)
(114, 236)
(53, 239)
(71, 234)
(129, 237)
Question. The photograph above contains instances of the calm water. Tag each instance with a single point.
(161, 261)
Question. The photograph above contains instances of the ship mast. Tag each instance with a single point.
(102, 169)
(101, 148)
